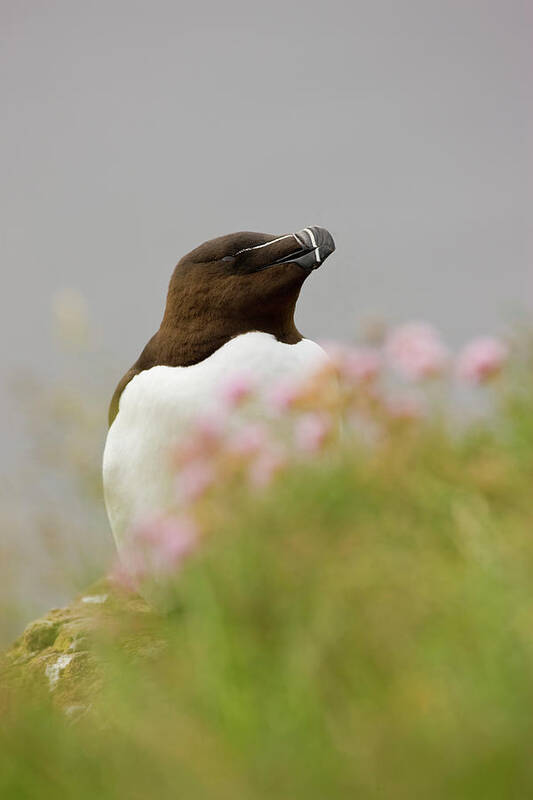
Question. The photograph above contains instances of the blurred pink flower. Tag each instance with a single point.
(482, 359)
(269, 463)
(194, 479)
(204, 439)
(158, 545)
(336, 351)
(404, 408)
(311, 432)
(416, 351)
(175, 539)
(361, 364)
(284, 395)
(248, 440)
(238, 389)
(129, 570)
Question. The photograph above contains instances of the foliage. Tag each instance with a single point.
(359, 626)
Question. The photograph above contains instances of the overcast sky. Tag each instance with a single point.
(132, 131)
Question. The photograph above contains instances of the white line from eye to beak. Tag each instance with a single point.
(266, 244)
(313, 240)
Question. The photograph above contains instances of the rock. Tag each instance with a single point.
(41, 634)
(56, 654)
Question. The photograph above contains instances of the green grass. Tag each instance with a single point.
(364, 629)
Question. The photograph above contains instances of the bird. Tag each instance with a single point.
(229, 309)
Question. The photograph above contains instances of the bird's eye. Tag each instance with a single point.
(228, 258)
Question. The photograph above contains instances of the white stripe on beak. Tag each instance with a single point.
(313, 240)
(266, 244)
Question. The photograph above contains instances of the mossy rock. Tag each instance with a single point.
(57, 655)
(41, 634)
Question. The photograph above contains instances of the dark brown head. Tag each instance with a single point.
(243, 282)
(231, 285)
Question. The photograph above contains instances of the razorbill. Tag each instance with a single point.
(229, 309)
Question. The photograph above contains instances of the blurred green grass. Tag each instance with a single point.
(364, 629)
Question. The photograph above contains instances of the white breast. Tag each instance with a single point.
(158, 404)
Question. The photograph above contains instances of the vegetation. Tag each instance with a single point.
(359, 625)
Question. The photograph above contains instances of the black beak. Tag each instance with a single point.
(316, 244)
(319, 243)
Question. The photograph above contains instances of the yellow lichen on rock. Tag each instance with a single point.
(56, 654)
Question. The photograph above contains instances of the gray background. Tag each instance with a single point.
(133, 131)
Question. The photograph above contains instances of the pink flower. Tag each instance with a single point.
(194, 479)
(336, 352)
(237, 390)
(284, 396)
(311, 432)
(482, 359)
(157, 546)
(204, 439)
(174, 540)
(248, 440)
(416, 351)
(266, 466)
(361, 364)
(356, 364)
(404, 408)
(129, 570)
